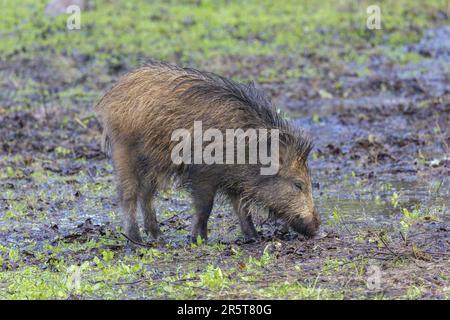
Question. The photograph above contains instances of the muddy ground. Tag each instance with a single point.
(381, 167)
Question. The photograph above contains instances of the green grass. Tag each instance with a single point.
(58, 273)
(266, 41)
(191, 31)
(296, 290)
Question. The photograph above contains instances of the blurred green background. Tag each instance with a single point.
(117, 32)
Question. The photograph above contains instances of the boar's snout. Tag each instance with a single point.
(306, 226)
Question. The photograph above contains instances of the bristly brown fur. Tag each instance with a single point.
(142, 110)
(209, 87)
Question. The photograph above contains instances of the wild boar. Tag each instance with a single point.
(140, 115)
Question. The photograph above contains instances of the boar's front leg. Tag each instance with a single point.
(203, 200)
(127, 186)
(245, 219)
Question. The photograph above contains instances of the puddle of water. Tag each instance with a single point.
(377, 202)
(402, 134)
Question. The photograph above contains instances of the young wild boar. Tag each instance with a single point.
(143, 110)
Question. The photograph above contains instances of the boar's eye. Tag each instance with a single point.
(299, 185)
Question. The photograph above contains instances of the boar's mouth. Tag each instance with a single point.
(308, 229)
(304, 226)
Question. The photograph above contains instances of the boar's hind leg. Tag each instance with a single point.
(148, 211)
(203, 200)
(245, 219)
(127, 185)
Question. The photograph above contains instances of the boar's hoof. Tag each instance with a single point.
(197, 238)
(133, 234)
(153, 232)
(251, 239)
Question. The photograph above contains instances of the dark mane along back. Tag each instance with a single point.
(212, 88)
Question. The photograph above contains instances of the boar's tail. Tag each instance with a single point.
(106, 143)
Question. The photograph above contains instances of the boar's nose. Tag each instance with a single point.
(306, 227)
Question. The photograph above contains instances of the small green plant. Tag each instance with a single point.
(17, 210)
(213, 278)
(336, 217)
(315, 118)
(61, 151)
(10, 172)
(386, 187)
(332, 265)
(423, 213)
(413, 215)
(265, 260)
(413, 293)
(296, 290)
(14, 254)
(394, 199)
(378, 200)
(198, 242)
(107, 255)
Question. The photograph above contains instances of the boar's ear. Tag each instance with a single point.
(285, 149)
(282, 154)
(305, 147)
(295, 146)
(273, 146)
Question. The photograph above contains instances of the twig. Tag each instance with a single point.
(386, 245)
(403, 237)
(147, 279)
(440, 185)
(135, 242)
(77, 120)
(130, 283)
